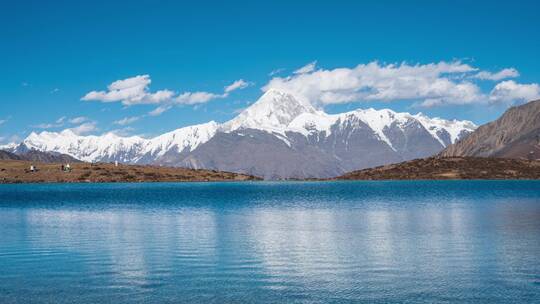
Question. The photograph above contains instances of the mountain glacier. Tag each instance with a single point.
(279, 136)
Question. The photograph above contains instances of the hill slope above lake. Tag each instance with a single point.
(516, 134)
(451, 168)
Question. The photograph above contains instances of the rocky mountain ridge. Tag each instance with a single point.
(516, 134)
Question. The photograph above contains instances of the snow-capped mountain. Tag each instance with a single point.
(107, 147)
(278, 112)
(279, 136)
(111, 147)
(273, 112)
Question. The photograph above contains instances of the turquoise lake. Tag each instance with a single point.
(271, 242)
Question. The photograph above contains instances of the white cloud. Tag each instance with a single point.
(127, 131)
(308, 68)
(3, 121)
(160, 110)
(275, 72)
(130, 91)
(55, 90)
(509, 91)
(84, 128)
(135, 90)
(431, 84)
(78, 120)
(502, 74)
(126, 120)
(10, 140)
(196, 98)
(57, 124)
(46, 126)
(192, 98)
(60, 122)
(237, 85)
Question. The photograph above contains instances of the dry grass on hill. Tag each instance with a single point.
(13, 171)
(451, 168)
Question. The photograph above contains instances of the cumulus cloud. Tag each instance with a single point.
(237, 85)
(84, 128)
(509, 91)
(78, 120)
(308, 68)
(56, 124)
(192, 98)
(426, 85)
(127, 131)
(130, 91)
(276, 71)
(60, 122)
(10, 140)
(135, 90)
(159, 110)
(46, 126)
(126, 120)
(196, 98)
(502, 74)
(380, 82)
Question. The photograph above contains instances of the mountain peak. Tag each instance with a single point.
(274, 110)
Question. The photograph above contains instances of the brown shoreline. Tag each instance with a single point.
(433, 168)
(15, 171)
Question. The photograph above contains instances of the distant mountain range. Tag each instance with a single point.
(516, 134)
(279, 136)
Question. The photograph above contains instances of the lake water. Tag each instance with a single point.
(259, 242)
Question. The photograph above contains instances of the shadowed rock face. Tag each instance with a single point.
(412, 141)
(261, 154)
(5, 155)
(516, 134)
(23, 153)
(48, 157)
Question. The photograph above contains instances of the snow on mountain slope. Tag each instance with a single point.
(9, 147)
(87, 148)
(184, 138)
(455, 128)
(309, 123)
(272, 112)
(111, 147)
(378, 121)
(277, 113)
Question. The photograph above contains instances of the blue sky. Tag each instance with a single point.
(53, 53)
